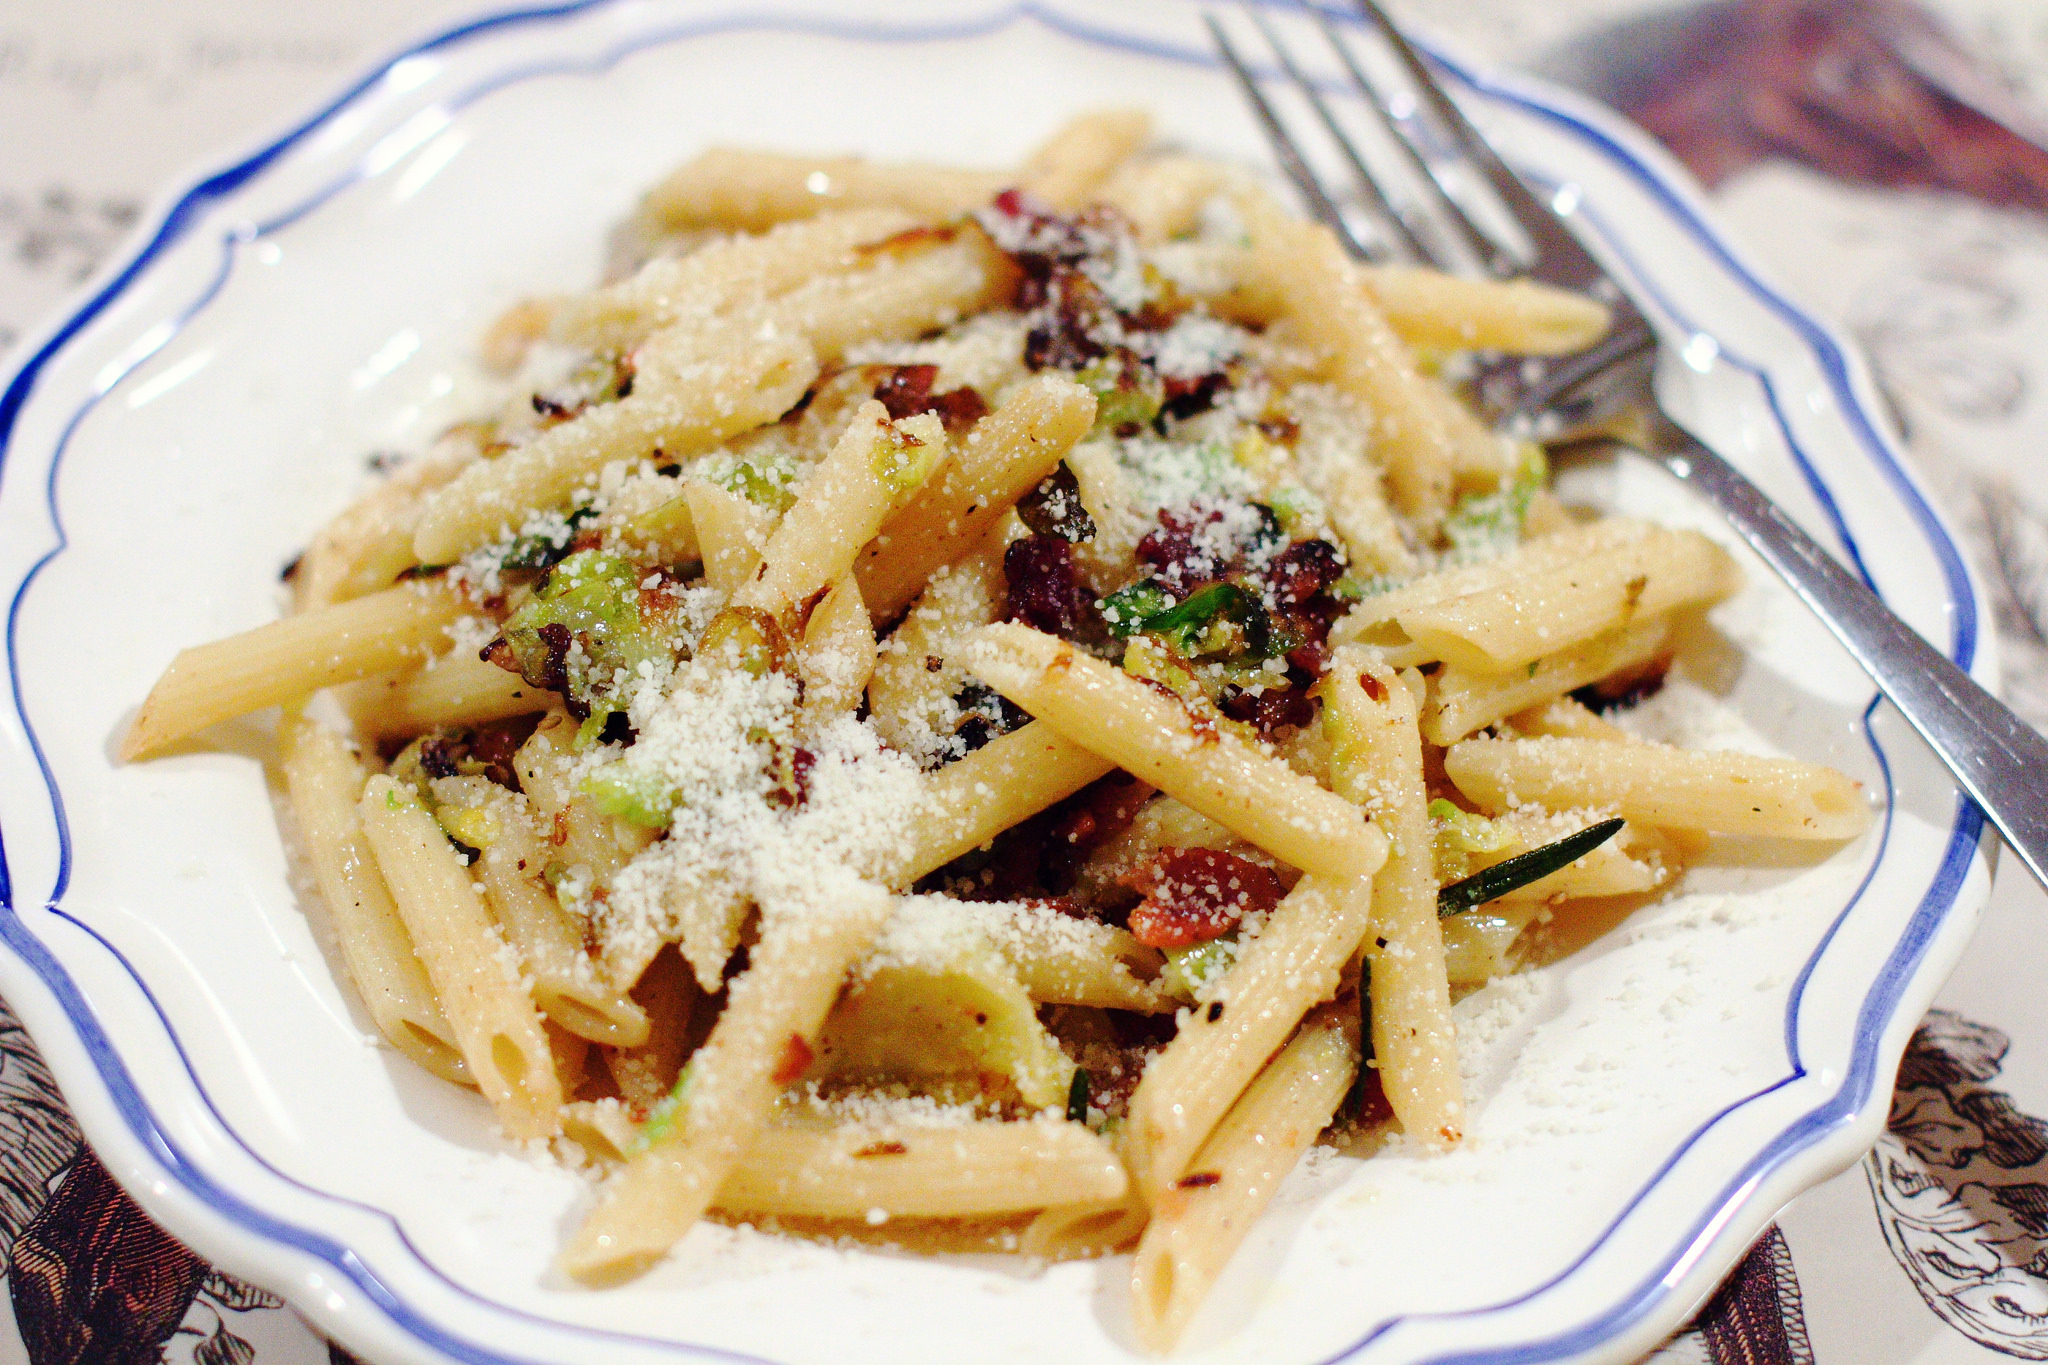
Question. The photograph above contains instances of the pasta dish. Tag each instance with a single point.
(1006, 701)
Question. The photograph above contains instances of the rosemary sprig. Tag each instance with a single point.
(1365, 1050)
(1522, 869)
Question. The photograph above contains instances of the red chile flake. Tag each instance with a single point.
(795, 1060)
(883, 1149)
(1193, 895)
(1199, 1180)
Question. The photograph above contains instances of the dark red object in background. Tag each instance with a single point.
(1871, 91)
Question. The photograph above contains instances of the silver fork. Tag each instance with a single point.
(1999, 760)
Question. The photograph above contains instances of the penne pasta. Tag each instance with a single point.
(1477, 943)
(1717, 790)
(1427, 309)
(1041, 921)
(1068, 1231)
(877, 466)
(1007, 781)
(289, 660)
(1565, 718)
(731, 533)
(1163, 196)
(969, 1171)
(1376, 761)
(721, 277)
(512, 863)
(1282, 973)
(772, 1012)
(1060, 960)
(858, 1170)
(325, 782)
(1376, 620)
(837, 656)
(454, 691)
(1422, 437)
(1198, 1223)
(751, 191)
(1156, 739)
(1457, 313)
(1500, 628)
(693, 391)
(1006, 455)
(494, 1021)
(1075, 161)
(1462, 701)
(908, 286)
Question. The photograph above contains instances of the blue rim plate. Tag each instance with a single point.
(1642, 1107)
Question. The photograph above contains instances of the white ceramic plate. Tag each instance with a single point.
(1640, 1109)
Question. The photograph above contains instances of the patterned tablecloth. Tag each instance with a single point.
(1933, 1250)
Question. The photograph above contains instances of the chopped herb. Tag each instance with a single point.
(1522, 869)
(471, 827)
(1148, 659)
(1077, 1097)
(751, 639)
(668, 530)
(1365, 1052)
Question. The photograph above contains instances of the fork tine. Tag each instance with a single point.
(1560, 258)
(1482, 246)
(1367, 184)
(1291, 160)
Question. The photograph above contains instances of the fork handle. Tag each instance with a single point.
(2001, 761)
